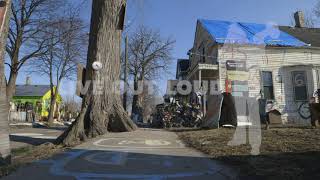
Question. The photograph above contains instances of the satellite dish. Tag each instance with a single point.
(97, 65)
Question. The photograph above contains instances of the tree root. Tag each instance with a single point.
(119, 121)
(74, 134)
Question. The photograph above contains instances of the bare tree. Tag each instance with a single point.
(149, 55)
(317, 9)
(26, 23)
(102, 109)
(310, 19)
(64, 49)
(150, 100)
(4, 126)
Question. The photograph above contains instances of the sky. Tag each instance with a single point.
(177, 19)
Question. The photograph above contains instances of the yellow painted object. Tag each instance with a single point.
(46, 103)
(44, 100)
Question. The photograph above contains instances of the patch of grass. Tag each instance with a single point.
(6, 170)
(25, 155)
(286, 153)
(23, 150)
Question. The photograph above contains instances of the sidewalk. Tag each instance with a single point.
(28, 136)
(144, 154)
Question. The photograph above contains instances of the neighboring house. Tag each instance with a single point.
(181, 74)
(35, 97)
(182, 69)
(275, 63)
(171, 91)
(308, 35)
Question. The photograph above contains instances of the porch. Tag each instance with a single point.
(206, 74)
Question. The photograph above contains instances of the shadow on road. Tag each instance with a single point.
(34, 136)
(104, 164)
(35, 141)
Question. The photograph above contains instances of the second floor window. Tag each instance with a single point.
(202, 53)
(203, 58)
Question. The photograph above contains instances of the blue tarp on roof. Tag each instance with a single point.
(225, 32)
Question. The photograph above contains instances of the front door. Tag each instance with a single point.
(298, 88)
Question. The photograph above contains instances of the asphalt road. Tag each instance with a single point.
(144, 154)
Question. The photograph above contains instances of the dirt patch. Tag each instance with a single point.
(26, 155)
(285, 153)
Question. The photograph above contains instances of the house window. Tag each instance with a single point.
(203, 54)
(300, 85)
(267, 85)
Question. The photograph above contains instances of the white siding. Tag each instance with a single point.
(279, 61)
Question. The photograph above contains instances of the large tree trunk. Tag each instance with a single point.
(4, 124)
(52, 108)
(51, 111)
(11, 86)
(102, 109)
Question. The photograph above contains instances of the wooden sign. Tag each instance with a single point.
(236, 65)
(237, 78)
(122, 16)
(81, 80)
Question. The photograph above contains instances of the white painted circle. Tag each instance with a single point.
(97, 65)
(157, 143)
(139, 144)
(148, 142)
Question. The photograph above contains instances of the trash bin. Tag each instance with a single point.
(315, 114)
(275, 117)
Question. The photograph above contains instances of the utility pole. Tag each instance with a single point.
(5, 6)
(125, 89)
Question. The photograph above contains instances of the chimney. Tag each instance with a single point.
(299, 19)
(28, 81)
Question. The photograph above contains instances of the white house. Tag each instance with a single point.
(270, 62)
